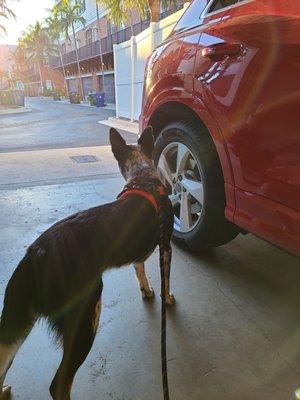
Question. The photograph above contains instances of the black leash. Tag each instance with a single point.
(162, 258)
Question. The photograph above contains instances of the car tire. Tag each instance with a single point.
(195, 184)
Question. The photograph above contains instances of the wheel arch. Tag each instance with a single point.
(174, 110)
(190, 109)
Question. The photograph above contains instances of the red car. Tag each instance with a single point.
(223, 96)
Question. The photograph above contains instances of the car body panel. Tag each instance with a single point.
(249, 103)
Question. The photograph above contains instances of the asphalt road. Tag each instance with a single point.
(234, 332)
(55, 142)
(53, 125)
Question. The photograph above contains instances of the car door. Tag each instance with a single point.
(254, 92)
(210, 77)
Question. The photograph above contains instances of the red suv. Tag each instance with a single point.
(223, 96)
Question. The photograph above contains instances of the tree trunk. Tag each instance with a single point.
(81, 94)
(100, 49)
(63, 68)
(41, 78)
(154, 6)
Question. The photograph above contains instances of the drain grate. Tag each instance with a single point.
(84, 159)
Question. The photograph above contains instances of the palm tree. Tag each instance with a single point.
(5, 12)
(68, 14)
(119, 10)
(37, 45)
(54, 28)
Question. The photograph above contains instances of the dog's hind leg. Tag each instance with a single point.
(79, 330)
(147, 291)
(167, 257)
(17, 319)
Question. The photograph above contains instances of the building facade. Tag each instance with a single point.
(6, 64)
(95, 42)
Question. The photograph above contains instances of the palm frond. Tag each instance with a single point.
(118, 10)
(3, 29)
(6, 10)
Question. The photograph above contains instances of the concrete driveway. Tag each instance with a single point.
(234, 333)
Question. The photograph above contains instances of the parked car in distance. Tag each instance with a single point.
(223, 96)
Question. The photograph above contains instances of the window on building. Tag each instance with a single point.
(95, 34)
(46, 62)
(89, 36)
(81, 6)
(147, 13)
(112, 28)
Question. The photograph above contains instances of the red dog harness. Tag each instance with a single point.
(144, 193)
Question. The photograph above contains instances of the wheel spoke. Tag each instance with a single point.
(195, 188)
(174, 199)
(164, 169)
(182, 156)
(185, 212)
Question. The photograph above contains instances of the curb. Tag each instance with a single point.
(122, 124)
(11, 111)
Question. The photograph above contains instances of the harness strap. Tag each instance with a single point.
(144, 193)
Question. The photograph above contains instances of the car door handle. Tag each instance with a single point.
(218, 52)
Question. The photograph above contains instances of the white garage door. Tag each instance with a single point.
(110, 96)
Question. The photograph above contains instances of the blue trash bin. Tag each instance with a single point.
(100, 99)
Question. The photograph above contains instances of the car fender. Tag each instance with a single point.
(196, 104)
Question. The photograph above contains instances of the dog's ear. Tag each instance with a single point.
(118, 145)
(146, 141)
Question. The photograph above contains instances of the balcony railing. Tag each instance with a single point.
(172, 10)
(92, 50)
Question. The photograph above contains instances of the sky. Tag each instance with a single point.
(27, 12)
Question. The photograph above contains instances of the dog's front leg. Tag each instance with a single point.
(147, 291)
(167, 257)
(5, 393)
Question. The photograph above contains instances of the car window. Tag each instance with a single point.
(219, 4)
(192, 16)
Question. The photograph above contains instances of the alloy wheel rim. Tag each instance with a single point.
(179, 170)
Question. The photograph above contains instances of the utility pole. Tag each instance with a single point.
(100, 47)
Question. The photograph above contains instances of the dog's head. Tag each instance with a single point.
(134, 160)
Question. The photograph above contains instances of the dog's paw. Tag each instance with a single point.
(5, 394)
(148, 294)
(170, 299)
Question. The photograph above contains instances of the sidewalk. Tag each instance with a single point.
(33, 168)
(4, 110)
(87, 104)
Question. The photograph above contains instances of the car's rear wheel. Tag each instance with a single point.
(189, 166)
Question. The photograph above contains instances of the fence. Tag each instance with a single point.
(130, 59)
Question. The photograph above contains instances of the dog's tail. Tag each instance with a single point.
(17, 317)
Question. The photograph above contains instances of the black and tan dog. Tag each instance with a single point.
(60, 276)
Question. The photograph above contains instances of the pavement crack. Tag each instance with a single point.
(296, 372)
(208, 371)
